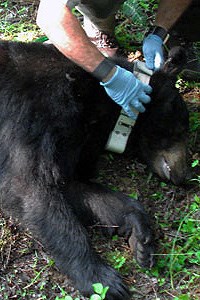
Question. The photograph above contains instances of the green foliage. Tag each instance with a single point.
(38, 275)
(99, 293)
(136, 16)
(195, 163)
(134, 195)
(119, 261)
(157, 195)
(194, 121)
(65, 296)
(135, 11)
(182, 251)
(184, 86)
(115, 238)
(15, 23)
(139, 10)
(116, 259)
(182, 297)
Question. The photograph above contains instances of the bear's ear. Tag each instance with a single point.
(3, 56)
(177, 58)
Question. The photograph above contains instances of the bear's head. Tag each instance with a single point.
(162, 130)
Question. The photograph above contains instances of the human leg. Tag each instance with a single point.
(99, 24)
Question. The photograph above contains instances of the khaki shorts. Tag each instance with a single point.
(100, 9)
(100, 12)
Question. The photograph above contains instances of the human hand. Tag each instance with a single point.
(127, 91)
(153, 51)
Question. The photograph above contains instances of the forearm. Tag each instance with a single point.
(169, 12)
(65, 32)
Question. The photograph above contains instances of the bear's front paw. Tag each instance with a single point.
(141, 243)
(137, 229)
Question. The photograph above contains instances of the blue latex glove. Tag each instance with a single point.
(153, 51)
(127, 91)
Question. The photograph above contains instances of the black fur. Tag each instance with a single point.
(54, 122)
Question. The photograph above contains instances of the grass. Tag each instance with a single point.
(183, 253)
(18, 21)
(99, 293)
(28, 273)
(135, 18)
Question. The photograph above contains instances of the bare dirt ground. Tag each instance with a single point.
(27, 271)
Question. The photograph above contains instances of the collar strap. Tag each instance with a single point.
(118, 138)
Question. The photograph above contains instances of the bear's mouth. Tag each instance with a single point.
(166, 169)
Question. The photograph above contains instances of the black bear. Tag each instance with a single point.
(54, 122)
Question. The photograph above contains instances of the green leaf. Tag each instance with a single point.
(41, 39)
(134, 195)
(133, 10)
(195, 163)
(98, 288)
(197, 199)
(95, 297)
(182, 297)
(115, 238)
(103, 294)
(198, 255)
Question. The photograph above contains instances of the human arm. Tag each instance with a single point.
(169, 12)
(167, 15)
(66, 33)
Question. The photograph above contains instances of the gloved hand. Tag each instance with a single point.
(153, 51)
(127, 91)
